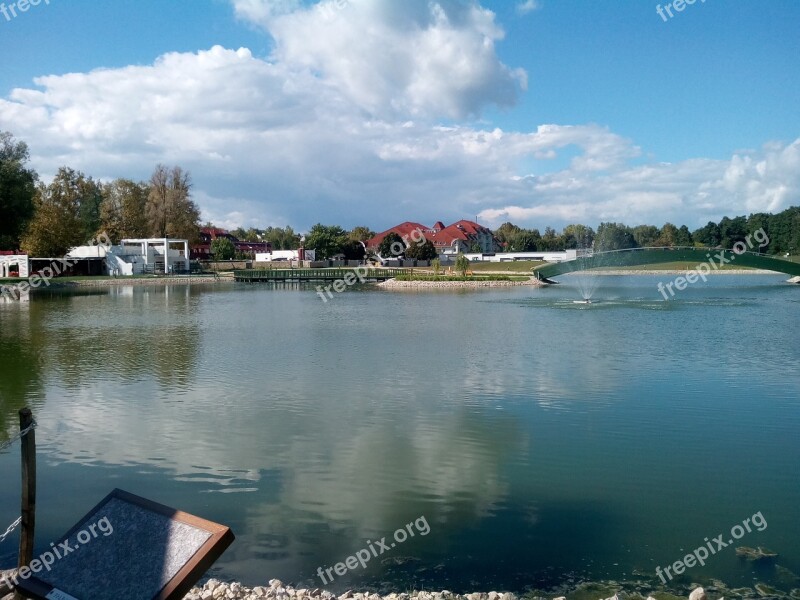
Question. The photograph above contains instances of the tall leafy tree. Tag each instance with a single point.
(645, 235)
(684, 237)
(327, 240)
(613, 236)
(282, 238)
(390, 245)
(361, 233)
(708, 235)
(57, 225)
(223, 249)
(424, 250)
(577, 236)
(17, 190)
(527, 241)
(122, 213)
(170, 209)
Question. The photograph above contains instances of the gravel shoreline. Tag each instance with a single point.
(216, 590)
(393, 284)
(136, 281)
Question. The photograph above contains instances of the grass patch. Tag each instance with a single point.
(517, 266)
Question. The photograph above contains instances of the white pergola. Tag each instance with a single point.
(17, 260)
(162, 244)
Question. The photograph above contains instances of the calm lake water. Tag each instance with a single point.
(541, 439)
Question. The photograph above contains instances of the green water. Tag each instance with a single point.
(543, 441)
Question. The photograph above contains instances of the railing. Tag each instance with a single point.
(256, 275)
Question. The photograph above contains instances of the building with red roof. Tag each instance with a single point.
(202, 250)
(460, 237)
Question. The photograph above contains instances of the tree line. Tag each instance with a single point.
(49, 219)
(782, 229)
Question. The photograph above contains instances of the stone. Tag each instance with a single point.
(755, 554)
(765, 590)
(698, 594)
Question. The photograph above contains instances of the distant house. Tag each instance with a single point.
(460, 237)
(202, 250)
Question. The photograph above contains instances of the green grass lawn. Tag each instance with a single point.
(517, 266)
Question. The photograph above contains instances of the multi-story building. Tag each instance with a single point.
(460, 237)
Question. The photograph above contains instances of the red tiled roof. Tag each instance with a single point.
(439, 235)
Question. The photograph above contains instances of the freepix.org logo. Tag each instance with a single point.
(11, 10)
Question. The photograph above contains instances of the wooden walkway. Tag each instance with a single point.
(300, 275)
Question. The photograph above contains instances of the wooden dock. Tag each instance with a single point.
(316, 275)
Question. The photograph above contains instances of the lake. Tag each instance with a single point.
(543, 441)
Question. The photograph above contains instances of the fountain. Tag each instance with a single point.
(586, 280)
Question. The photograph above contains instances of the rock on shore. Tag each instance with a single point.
(393, 284)
(216, 590)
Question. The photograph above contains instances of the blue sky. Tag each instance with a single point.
(379, 111)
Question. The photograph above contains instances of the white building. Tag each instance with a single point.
(139, 256)
(17, 263)
(285, 255)
(512, 256)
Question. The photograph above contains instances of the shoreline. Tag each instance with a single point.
(586, 590)
(393, 284)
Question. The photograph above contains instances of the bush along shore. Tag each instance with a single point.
(216, 590)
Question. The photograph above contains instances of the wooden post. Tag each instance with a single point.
(28, 489)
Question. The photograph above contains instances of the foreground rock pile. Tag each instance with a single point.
(216, 590)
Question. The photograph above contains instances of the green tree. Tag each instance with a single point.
(327, 240)
(732, 231)
(56, 226)
(422, 251)
(170, 209)
(122, 213)
(462, 265)
(436, 265)
(361, 233)
(613, 236)
(577, 236)
(708, 235)
(17, 190)
(222, 249)
(645, 235)
(281, 238)
(667, 236)
(353, 250)
(507, 234)
(527, 241)
(684, 237)
(391, 245)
